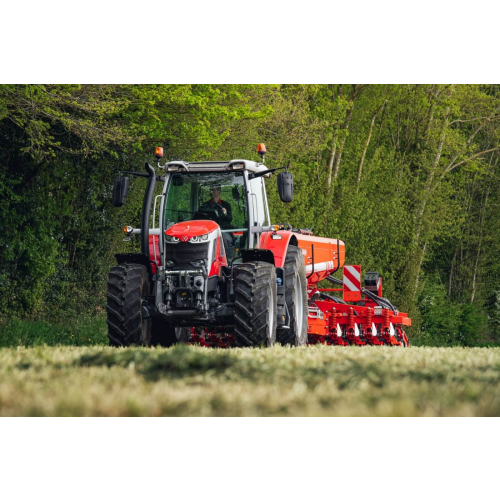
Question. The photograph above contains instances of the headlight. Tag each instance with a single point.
(199, 239)
(171, 239)
(198, 263)
(170, 263)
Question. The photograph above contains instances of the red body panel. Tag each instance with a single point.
(154, 251)
(191, 228)
(220, 260)
(329, 254)
(186, 230)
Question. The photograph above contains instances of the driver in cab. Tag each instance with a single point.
(224, 207)
(225, 217)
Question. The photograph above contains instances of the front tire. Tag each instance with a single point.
(256, 304)
(295, 298)
(127, 285)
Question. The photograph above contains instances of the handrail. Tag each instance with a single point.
(154, 211)
(312, 270)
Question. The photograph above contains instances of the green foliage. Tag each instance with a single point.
(447, 323)
(77, 331)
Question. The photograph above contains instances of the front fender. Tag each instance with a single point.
(136, 258)
(258, 254)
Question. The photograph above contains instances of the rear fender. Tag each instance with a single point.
(278, 243)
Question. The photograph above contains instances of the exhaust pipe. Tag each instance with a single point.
(146, 210)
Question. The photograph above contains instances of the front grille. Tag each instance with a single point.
(184, 253)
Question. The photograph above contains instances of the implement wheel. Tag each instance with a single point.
(296, 298)
(255, 304)
(127, 285)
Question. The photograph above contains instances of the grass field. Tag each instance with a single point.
(194, 381)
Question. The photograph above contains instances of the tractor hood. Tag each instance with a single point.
(184, 231)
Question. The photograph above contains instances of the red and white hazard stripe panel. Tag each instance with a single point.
(352, 283)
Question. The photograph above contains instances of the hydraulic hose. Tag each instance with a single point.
(336, 300)
(331, 297)
(335, 281)
(381, 301)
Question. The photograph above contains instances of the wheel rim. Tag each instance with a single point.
(271, 316)
(299, 304)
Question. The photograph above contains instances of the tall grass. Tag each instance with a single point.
(195, 381)
(77, 331)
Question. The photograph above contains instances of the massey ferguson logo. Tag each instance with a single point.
(184, 238)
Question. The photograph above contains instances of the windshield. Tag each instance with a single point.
(213, 196)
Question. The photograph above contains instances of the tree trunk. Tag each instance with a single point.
(367, 143)
(345, 127)
(435, 164)
(450, 280)
(476, 264)
(331, 160)
(420, 262)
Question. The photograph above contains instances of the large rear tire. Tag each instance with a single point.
(296, 298)
(127, 285)
(255, 304)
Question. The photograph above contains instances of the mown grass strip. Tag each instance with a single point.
(277, 381)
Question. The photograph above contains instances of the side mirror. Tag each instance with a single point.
(285, 186)
(120, 190)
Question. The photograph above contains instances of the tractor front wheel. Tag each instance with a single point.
(127, 285)
(255, 304)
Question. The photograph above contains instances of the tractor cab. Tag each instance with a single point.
(231, 194)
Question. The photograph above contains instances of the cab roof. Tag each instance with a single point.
(213, 166)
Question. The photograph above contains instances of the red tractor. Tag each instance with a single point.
(213, 269)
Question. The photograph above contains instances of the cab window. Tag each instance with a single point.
(188, 197)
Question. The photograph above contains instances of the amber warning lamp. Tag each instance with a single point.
(261, 150)
(159, 153)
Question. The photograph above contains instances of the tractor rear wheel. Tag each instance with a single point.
(295, 298)
(255, 304)
(127, 285)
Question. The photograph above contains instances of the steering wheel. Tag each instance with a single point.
(209, 210)
(212, 206)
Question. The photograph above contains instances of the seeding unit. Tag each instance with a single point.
(213, 270)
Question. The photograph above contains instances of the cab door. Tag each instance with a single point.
(258, 209)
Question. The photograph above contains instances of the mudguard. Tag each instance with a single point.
(278, 243)
(136, 258)
(258, 254)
